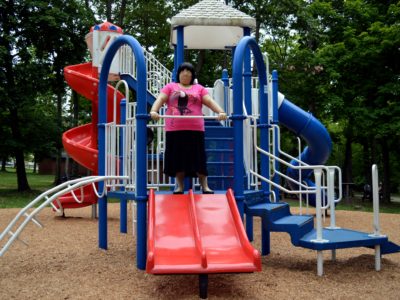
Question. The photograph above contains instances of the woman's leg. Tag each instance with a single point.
(204, 183)
(180, 177)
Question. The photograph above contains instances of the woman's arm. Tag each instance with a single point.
(161, 99)
(211, 104)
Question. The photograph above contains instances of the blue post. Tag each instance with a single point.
(123, 225)
(237, 116)
(249, 227)
(225, 80)
(275, 115)
(102, 202)
(247, 75)
(265, 237)
(141, 116)
(179, 49)
(275, 119)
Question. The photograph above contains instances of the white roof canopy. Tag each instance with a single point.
(211, 24)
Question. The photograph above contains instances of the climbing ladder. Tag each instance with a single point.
(50, 198)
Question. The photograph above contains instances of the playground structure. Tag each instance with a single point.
(194, 233)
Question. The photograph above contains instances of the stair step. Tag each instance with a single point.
(218, 131)
(339, 239)
(222, 182)
(218, 155)
(219, 143)
(388, 248)
(220, 168)
(294, 220)
(269, 206)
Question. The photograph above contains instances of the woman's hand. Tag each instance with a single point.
(222, 116)
(154, 116)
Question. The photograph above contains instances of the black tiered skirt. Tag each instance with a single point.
(185, 152)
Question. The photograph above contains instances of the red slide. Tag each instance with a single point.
(198, 234)
(81, 142)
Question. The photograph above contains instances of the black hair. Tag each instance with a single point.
(186, 66)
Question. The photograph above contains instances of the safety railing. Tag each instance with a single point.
(326, 177)
(158, 74)
(156, 178)
(50, 196)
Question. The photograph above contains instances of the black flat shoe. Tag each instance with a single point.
(177, 192)
(208, 192)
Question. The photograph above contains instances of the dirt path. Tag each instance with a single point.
(63, 261)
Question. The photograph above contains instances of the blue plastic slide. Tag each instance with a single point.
(306, 126)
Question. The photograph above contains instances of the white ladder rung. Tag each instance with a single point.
(34, 220)
(17, 238)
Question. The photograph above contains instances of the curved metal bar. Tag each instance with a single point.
(96, 193)
(77, 184)
(38, 199)
(76, 198)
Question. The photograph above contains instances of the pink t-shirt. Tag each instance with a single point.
(191, 107)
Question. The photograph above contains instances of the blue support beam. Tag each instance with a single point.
(238, 117)
(141, 138)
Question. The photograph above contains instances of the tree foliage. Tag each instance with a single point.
(338, 59)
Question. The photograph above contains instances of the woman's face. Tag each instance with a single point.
(185, 77)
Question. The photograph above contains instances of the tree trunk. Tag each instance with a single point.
(22, 180)
(109, 11)
(122, 13)
(3, 164)
(348, 164)
(11, 94)
(200, 61)
(34, 164)
(386, 171)
(57, 179)
(366, 162)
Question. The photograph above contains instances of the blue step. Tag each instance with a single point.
(389, 248)
(222, 182)
(277, 217)
(218, 155)
(252, 197)
(297, 226)
(220, 168)
(219, 143)
(340, 239)
(218, 131)
(270, 211)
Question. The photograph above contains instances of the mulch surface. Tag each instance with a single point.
(63, 261)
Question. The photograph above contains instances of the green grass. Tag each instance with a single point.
(10, 197)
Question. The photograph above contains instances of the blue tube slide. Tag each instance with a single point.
(306, 126)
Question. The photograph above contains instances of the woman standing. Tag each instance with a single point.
(185, 154)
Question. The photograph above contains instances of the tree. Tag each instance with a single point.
(38, 38)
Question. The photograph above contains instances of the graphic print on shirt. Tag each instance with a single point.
(181, 101)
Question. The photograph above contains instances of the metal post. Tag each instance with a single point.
(320, 263)
(377, 257)
(318, 174)
(375, 197)
(225, 80)
(331, 198)
(275, 120)
(123, 225)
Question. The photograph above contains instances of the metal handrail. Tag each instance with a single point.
(59, 190)
(158, 74)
